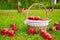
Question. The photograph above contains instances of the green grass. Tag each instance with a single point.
(11, 16)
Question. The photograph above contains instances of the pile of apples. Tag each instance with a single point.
(46, 35)
(10, 32)
(56, 27)
(43, 33)
(34, 18)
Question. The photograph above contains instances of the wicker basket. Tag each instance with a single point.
(37, 24)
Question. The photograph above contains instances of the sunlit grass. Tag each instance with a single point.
(7, 17)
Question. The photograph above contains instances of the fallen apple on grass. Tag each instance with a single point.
(13, 26)
(10, 33)
(31, 31)
(53, 28)
(46, 35)
(4, 31)
(58, 28)
(57, 24)
(43, 32)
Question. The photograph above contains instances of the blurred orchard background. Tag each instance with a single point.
(13, 4)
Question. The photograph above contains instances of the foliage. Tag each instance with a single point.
(57, 6)
(25, 4)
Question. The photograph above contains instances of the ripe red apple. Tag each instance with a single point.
(31, 18)
(48, 36)
(57, 27)
(57, 23)
(4, 31)
(31, 31)
(38, 18)
(10, 33)
(13, 25)
(14, 28)
(52, 28)
(43, 32)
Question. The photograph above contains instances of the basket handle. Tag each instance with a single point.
(38, 5)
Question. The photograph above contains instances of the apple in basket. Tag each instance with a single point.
(31, 18)
(13, 26)
(4, 31)
(38, 18)
(10, 33)
(31, 31)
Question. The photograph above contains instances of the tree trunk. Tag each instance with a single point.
(52, 4)
(2, 1)
(15, 4)
(19, 7)
(8, 1)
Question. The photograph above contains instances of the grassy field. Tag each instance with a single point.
(12, 16)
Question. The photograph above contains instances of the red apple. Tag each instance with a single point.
(57, 27)
(52, 28)
(13, 25)
(31, 31)
(4, 31)
(14, 28)
(48, 36)
(43, 32)
(38, 18)
(10, 33)
(31, 18)
(57, 23)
